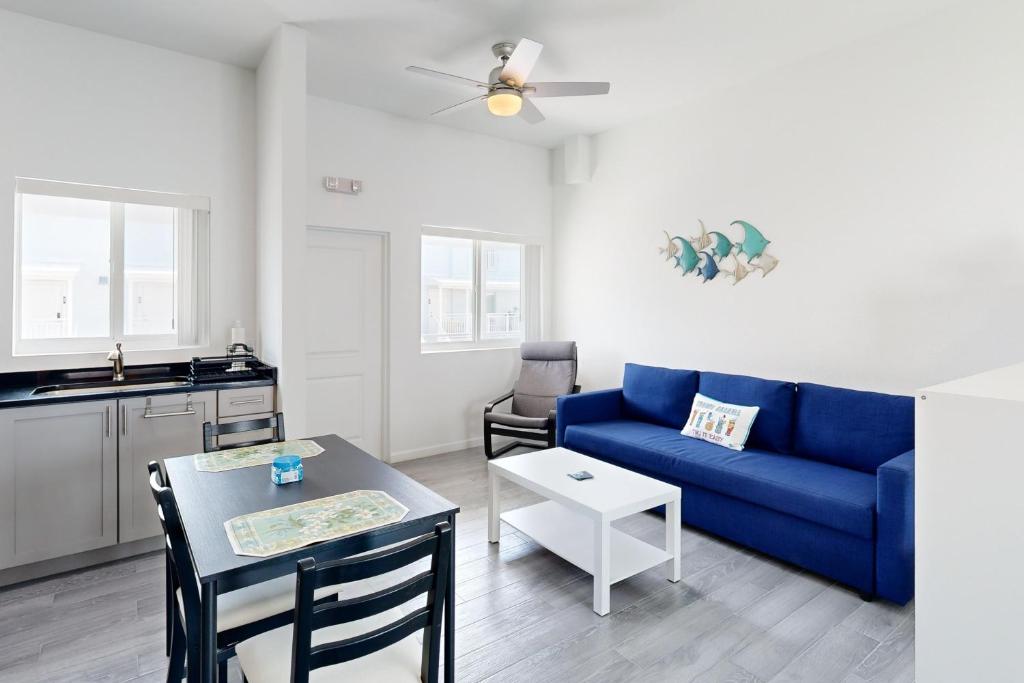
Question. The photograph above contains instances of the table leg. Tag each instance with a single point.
(602, 567)
(673, 538)
(208, 632)
(493, 507)
(449, 613)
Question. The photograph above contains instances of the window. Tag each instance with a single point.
(472, 292)
(97, 264)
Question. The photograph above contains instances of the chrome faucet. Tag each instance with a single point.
(117, 355)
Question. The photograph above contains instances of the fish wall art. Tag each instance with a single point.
(712, 253)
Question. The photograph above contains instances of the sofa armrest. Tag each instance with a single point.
(894, 554)
(592, 406)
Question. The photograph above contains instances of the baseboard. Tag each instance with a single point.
(436, 449)
(60, 565)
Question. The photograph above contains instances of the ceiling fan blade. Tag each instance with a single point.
(445, 77)
(520, 64)
(566, 89)
(530, 113)
(457, 104)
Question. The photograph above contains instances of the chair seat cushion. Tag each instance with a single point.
(517, 421)
(252, 603)
(836, 497)
(267, 658)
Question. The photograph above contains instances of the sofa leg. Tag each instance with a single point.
(867, 597)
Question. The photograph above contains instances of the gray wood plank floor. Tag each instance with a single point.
(522, 613)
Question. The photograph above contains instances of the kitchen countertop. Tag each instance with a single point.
(16, 388)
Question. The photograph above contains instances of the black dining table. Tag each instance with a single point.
(206, 500)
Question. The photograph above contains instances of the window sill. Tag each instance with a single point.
(440, 349)
(98, 352)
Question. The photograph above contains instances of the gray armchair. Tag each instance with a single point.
(548, 371)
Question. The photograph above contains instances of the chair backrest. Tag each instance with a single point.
(181, 558)
(310, 616)
(154, 468)
(211, 431)
(548, 371)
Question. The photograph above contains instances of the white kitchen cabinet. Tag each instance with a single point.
(58, 480)
(154, 428)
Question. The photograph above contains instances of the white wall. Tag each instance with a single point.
(84, 107)
(281, 233)
(888, 176)
(417, 173)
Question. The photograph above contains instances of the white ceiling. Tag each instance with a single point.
(656, 53)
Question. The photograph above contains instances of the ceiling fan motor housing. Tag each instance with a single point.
(497, 84)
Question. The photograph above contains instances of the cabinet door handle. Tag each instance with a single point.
(107, 411)
(124, 419)
(181, 412)
(247, 401)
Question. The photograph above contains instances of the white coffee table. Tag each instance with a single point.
(575, 522)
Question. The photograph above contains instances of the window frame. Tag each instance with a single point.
(192, 305)
(480, 340)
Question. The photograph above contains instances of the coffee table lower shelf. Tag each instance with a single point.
(571, 536)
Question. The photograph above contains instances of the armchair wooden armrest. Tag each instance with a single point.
(504, 397)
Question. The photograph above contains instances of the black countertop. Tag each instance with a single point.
(17, 388)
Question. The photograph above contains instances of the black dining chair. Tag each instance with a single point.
(172, 586)
(211, 431)
(361, 638)
(241, 613)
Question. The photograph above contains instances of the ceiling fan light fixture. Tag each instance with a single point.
(504, 102)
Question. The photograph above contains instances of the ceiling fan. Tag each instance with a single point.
(507, 92)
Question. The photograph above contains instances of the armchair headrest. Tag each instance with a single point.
(549, 350)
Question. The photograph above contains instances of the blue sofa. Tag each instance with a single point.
(826, 480)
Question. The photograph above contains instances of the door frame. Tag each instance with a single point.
(385, 325)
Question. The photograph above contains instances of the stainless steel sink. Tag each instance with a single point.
(107, 387)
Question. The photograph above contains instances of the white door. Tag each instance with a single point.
(344, 336)
(44, 308)
(151, 307)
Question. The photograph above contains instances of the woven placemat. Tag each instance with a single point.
(250, 456)
(266, 533)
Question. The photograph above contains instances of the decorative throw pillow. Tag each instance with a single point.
(720, 423)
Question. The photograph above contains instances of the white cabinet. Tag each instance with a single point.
(154, 428)
(58, 480)
(970, 528)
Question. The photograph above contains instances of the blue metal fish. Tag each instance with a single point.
(722, 246)
(687, 259)
(709, 270)
(753, 243)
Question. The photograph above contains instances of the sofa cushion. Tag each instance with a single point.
(833, 496)
(725, 424)
(659, 395)
(856, 429)
(773, 428)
